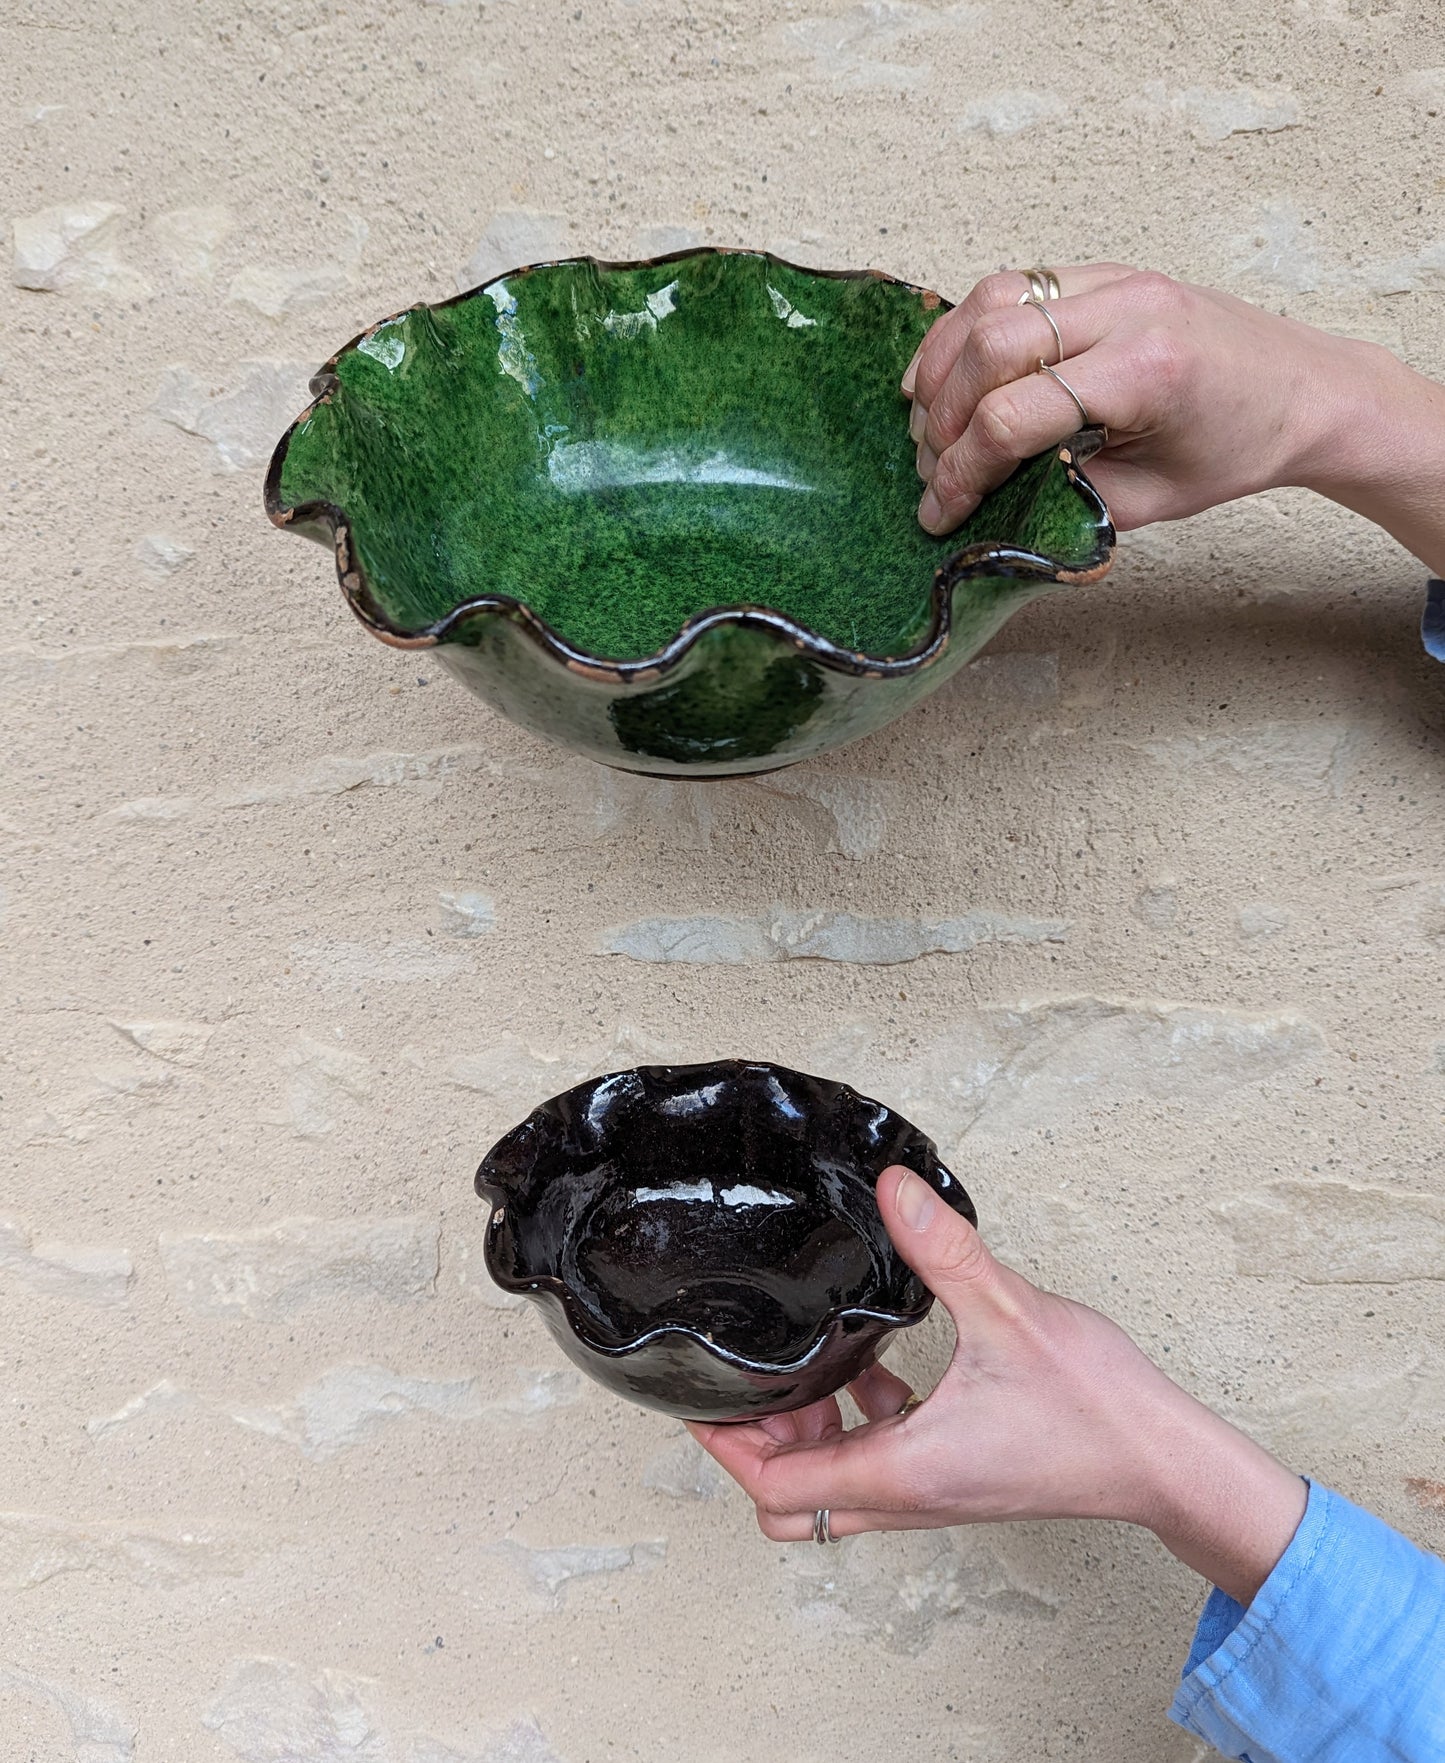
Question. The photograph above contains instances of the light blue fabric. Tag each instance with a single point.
(1339, 1659)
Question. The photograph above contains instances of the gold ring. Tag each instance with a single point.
(1039, 307)
(1043, 367)
(908, 1407)
(1043, 285)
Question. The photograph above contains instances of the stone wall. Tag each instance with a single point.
(294, 928)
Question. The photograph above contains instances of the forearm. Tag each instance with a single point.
(1383, 453)
(1218, 1501)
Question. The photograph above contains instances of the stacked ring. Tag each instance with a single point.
(1048, 316)
(1043, 367)
(1043, 285)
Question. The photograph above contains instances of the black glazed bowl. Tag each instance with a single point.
(704, 1239)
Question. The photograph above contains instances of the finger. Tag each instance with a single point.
(864, 1468)
(797, 1527)
(879, 1394)
(1016, 422)
(947, 1254)
(939, 349)
(819, 1420)
(1007, 345)
(742, 1447)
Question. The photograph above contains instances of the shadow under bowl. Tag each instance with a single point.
(705, 1239)
(664, 513)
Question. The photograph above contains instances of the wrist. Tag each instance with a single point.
(1376, 445)
(1218, 1501)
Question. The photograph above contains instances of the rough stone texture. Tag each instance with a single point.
(467, 913)
(549, 1572)
(83, 1273)
(244, 419)
(1006, 1071)
(1216, 115)
(160, 556)
(97, 1733)
(35, 1549)
(235, 993)
(193, 237)
(279, 1269)
(684, 1471)
(1261, 919)
(346, 1404)
(1337, 1233)
(1007, 113)
(512, 238)
(74, 247)
(900, 1591)
(277, 1711)
(275, 291)
(183, 1043)
(820, 936)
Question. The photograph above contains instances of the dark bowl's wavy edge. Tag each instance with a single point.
(832, 1322)
(979, 559)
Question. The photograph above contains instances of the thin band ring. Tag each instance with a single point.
(1039, 307)
(908, 1407)
(821, 1532)
(1043, 285)
(1084, 419)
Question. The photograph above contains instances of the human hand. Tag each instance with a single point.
(1048, 1410)
(1205, 398)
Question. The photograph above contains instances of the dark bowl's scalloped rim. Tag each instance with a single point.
(978, 559)
(834, 1321)
(831, 1323)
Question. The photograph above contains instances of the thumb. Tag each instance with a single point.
(941, 1247)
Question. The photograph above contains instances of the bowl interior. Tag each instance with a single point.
(623, 448)
(733, 1199)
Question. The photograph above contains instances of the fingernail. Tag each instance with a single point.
(930, 509)
(927, 461)
(915, 1201)
(918, 421)
(910, 373)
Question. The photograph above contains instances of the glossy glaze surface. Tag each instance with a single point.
(704, 1239)
(664, 513)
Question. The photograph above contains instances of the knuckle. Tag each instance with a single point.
(948, 479)
(997, 420)
(1152, 291)
(991, 343)
(964, 1261)
(1157, 356)
(772, 1526)
(998, 289)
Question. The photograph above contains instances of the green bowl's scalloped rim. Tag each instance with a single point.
(981, 559)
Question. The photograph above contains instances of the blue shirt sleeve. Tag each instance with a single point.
(1432, 621)
(1339, 1659)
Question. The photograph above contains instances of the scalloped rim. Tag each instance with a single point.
(977, 559)
(829, 1325)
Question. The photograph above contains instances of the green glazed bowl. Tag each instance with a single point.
(663, 513)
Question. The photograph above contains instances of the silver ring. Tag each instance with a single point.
(821, 1533)
(1084, 420)
(1039, 307)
